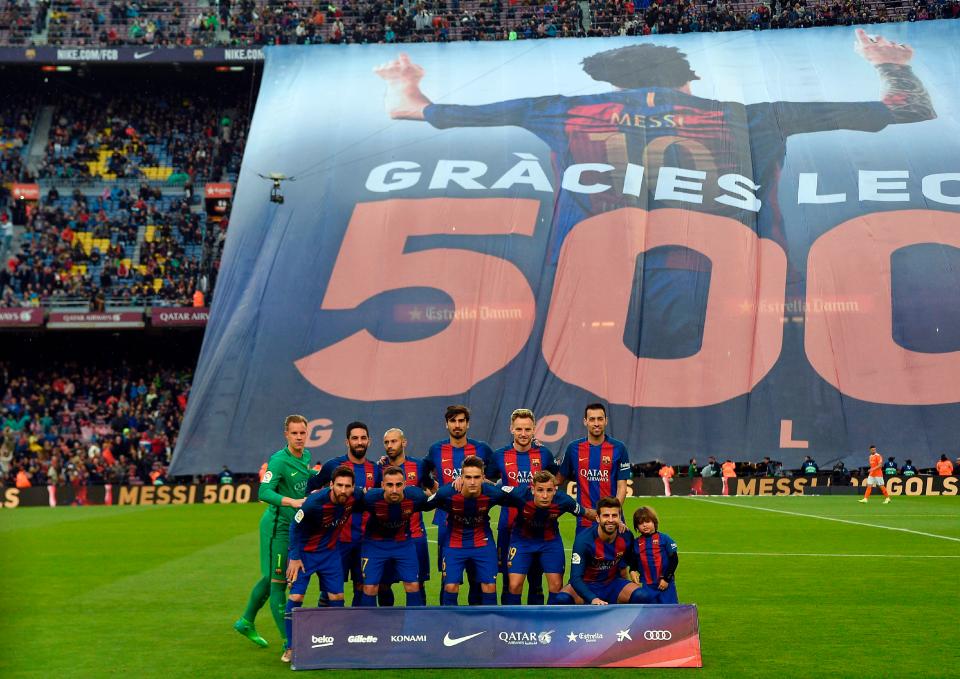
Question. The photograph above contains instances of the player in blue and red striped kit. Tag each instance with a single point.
(536, 535)
(598, 565)
(367, 475)
(469, 540)
(315, 541)
(444, 461)
(416, 475)
(599, 464)
(387, 541)
(654, 560)
(515, 465)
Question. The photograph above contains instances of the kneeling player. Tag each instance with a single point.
(536, 535)
(386, 538)
(314, 536)
(598, 572)
(654, 560)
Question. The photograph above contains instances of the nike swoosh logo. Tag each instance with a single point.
(447, 641)
(141, 55)
(294, 473)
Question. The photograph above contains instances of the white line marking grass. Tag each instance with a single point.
(827, 518)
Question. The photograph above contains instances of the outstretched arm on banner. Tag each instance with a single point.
(404, 100)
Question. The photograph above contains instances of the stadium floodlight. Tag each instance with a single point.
(276, 193)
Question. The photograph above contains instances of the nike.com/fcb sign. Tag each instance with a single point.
(505, 636)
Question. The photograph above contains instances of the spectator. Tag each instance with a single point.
(890, 466)
(809, 467)
(944, 466)
(729, 471)
(696, 481)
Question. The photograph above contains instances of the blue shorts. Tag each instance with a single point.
(401, 557)
(423, 563)
(608, 591)
(328, 567)
(350, 560)
(652, 595)
(483, 560)
(535, 557)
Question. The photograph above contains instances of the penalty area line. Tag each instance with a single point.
(826, 518)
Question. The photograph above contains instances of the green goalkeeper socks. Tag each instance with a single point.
(278, 606)
(258, 597)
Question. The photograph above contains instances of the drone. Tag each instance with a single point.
(276, 194)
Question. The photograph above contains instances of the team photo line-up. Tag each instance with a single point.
(361, 520)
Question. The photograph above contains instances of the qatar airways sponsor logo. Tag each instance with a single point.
(526, 638)
(595, 474)
(520, 476)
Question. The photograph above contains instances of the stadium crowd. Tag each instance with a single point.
(258, 22)
(79, 424)
(143, 240)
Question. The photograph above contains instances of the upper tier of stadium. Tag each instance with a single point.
(201, 23)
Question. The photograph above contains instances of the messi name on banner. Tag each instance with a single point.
(507, 636)
(746, 244)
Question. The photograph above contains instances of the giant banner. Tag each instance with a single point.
(496, 636)
(746, 244)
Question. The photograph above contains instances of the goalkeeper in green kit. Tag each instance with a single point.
(283, 488)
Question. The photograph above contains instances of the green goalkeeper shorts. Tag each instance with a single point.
(274, 547)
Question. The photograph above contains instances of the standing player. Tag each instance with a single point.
(598, 565)
(445, 461)
(515, 466)
(367, 475)
(282, 486)
(599, 464)
(654, 560)
(469, 540)
(416, 476)
(875, 477)
(315, 542)
(386, 538)
(536, 536)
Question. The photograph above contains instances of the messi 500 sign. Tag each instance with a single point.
(740, 259)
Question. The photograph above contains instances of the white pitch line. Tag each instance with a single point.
(884, 556)
(827, 518)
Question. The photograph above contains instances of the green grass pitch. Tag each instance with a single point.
(782, 589)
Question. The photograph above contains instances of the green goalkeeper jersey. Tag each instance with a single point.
(286, 476)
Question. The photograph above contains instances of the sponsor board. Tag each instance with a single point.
(93, 320)
(20, 318)
(128, 55)
(508, 636)
(168, 317)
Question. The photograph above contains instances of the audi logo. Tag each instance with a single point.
(658, 635)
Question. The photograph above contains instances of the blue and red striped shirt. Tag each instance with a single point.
(516, 469)
(652, 554)
(391, 520)
(468, 518)
(445, 462)
(596, 470)
(596, 561)
(539, 523)
(318, 523)
(415, 476)
(367, 476)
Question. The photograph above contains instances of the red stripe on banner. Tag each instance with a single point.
(682, 653)
(52, 492)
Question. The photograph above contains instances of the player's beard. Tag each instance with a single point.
(359, 452)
